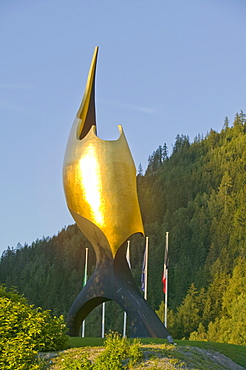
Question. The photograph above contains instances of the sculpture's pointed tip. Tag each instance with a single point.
(87, 112)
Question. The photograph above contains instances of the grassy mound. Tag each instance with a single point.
(118, 353)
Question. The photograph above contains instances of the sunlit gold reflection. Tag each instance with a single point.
(91, 183)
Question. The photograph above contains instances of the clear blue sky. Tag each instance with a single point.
(164, 68)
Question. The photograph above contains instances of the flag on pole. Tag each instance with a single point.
(129, 264)
(128, 254)
(165, 270)
(165, 279)
(84, 283)
(103, 319)
(143, 272)
(86, 263)
(144, 276)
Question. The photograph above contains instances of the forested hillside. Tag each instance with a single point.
(198, 194)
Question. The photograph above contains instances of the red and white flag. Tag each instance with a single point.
(165, 270)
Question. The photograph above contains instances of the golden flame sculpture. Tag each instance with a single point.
(99, 179)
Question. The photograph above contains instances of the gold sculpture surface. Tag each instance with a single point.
(100, 179)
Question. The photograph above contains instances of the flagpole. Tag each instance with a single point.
(129, 264)
(84, 283)
(103, 319)
(166, 277)
(146, 268)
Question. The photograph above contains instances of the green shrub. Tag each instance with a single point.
(118, 353)
(53, 333)
(135, 353)
(24, 331)
(115, 352)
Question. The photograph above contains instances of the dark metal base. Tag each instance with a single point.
(112, 280)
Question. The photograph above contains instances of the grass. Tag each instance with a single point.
(236, 353)
(84, 342)
(95, 342)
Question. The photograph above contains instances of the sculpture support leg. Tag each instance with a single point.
(112, 280)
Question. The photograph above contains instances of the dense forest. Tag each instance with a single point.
(198, 195)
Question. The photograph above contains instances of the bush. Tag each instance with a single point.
(24, 331)
(118, 353)
(82, 362)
